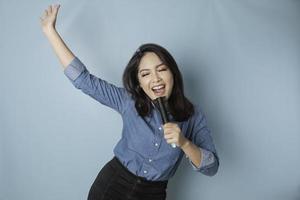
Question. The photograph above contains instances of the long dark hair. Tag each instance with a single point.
(179, 106)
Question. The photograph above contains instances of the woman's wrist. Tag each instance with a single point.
(48, 30)
(185, 143)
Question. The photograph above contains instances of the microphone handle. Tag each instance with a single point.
(164, 114)
(163, 111)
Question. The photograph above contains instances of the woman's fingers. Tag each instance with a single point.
(55, 9)
(168, 136)
(52, 9)
(50, 12)
(43, 15)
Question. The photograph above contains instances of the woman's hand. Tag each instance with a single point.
(48, 19)
(173, 134)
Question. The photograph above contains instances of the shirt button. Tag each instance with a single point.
(145, 171)
(156, 144)
(159, 128)
(150, 160)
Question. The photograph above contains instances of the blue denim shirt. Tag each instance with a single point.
(142, 148)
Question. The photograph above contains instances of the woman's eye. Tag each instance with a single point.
(144, 75)
(164, 69)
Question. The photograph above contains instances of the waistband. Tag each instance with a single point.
(116, 164)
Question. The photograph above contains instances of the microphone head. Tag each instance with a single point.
(160, 103)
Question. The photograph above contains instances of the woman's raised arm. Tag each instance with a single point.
(48, 21)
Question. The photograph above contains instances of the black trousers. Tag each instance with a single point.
(116, 182)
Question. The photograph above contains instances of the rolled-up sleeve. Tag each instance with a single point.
(102, 91)
(74, 69)
(202, 138)
(208, 158)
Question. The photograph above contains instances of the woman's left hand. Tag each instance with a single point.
(172, 134)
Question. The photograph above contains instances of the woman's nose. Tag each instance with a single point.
(156, 77)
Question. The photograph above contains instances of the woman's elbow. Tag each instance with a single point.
(212, 170)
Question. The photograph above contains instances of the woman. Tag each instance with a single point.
(144, 158)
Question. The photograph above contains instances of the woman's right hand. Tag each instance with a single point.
(48, 19)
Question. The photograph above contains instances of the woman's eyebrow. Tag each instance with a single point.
(146, 69)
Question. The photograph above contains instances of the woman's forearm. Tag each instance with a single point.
(193, 152)
(62, 51)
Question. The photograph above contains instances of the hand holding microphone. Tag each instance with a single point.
(162, 109)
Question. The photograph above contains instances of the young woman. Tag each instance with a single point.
(144, 158)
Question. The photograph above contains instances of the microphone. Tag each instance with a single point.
(163, 112)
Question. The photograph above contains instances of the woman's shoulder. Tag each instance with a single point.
(129, 99)
(198, 112)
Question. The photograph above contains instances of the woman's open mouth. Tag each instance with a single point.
(159, 90)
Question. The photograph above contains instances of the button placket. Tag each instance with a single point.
(157, 141)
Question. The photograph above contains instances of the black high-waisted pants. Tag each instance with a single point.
(116, 182)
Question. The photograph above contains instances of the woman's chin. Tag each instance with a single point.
(154, 96)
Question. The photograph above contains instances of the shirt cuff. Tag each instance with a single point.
(74, 69)
(207, 159)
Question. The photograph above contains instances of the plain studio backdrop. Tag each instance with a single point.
(240, 62)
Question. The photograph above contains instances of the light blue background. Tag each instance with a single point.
(239, 59)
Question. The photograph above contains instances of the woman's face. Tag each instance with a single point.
(155, 78)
